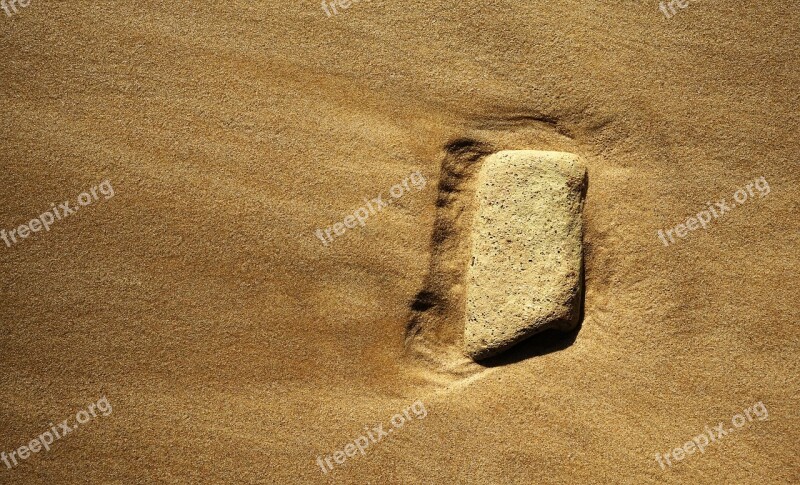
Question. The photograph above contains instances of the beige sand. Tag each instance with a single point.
(236, 348)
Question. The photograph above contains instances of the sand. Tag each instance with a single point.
(236, 346)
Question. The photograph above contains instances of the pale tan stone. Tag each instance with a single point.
(525, 271)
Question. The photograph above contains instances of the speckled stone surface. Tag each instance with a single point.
(525, 269)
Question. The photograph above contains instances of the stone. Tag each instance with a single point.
(525, 272)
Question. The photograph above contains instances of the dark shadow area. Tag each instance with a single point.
(424, 301)
(534, 346)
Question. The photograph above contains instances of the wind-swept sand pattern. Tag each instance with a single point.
(236, 348)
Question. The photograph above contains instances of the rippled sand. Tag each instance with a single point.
(236, 347)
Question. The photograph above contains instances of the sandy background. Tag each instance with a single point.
(236, 348)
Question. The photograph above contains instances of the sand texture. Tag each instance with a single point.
(262, 270)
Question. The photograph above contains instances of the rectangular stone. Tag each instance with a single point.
(525, 270)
